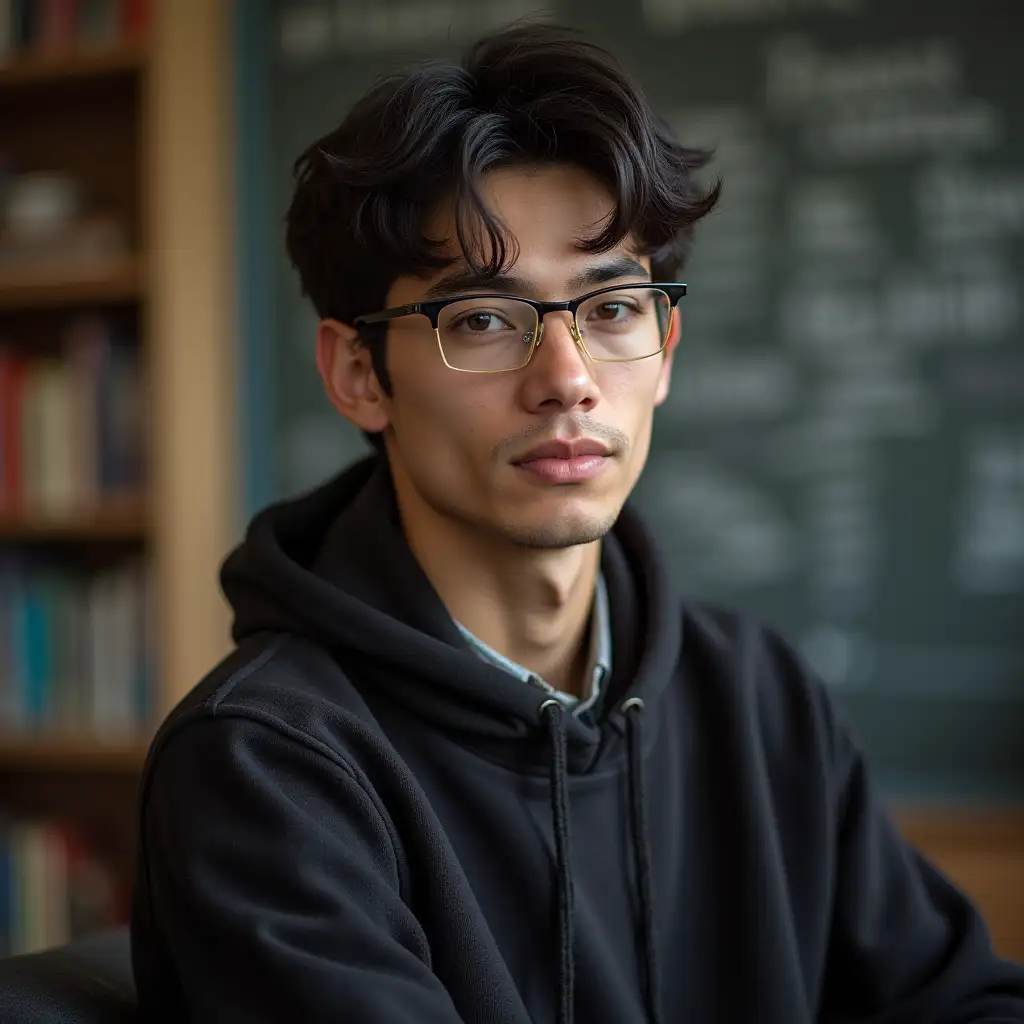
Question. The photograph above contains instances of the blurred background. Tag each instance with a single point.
(842, 453)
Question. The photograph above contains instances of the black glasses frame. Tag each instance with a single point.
(432, 309)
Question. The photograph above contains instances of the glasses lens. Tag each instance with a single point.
(487, 333)
(628, 323)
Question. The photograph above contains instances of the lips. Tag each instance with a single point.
(564, 450)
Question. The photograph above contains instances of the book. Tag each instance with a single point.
(77, 655)
(72, 429)
(11, 392)
(54, 885)
(59, 26)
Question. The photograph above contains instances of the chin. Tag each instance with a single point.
(558, 530)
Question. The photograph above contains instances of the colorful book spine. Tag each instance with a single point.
(55, 26)
(72, 431)
(76, 652)
(54, 886)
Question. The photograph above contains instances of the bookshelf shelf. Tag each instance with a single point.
(69, 753)
(124, 521)
(111, 281)
(73, 65)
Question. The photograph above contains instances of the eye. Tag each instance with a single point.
(480, 321)
(615, 309)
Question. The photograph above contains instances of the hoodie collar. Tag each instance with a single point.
(599, 657)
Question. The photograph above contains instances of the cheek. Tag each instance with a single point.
(441, 418)
(631, 391)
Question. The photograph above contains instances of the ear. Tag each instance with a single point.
(665, 376)
(347, 372)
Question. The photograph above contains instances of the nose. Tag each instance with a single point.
(558, 376)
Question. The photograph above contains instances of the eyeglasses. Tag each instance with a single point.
(496, 333)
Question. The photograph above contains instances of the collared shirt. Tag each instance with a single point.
(600, 661)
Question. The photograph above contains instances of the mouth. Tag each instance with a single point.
(565, 462)
(568, 450)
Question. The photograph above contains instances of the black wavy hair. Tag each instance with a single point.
(529, 94)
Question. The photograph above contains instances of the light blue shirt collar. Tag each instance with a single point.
(600, 656)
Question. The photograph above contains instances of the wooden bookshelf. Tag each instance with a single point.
(31, 752)
(112, 281)
(83, 113)
(124, 521)
(145, 128)
(72, 66)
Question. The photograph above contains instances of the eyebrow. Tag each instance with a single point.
(465, 280)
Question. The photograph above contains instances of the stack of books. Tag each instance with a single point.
(53, 887)
(71, 427)
(75, 649)
(55, 25)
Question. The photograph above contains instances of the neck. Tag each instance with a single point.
(532, 605)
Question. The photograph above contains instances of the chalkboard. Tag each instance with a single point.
(842, 453)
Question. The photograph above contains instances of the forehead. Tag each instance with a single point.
(547, 210)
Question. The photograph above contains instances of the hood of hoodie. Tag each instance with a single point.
(333, 566)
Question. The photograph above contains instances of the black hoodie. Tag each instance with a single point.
(355, 818)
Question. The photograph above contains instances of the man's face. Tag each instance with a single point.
(458, 440)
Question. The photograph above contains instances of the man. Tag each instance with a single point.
(472, 759)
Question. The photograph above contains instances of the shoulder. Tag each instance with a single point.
(267, 752)
(276, 724)
(740, 645)
(274, 690)
(749, 671)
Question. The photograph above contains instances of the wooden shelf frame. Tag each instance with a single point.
(124, 520)
(46, 287)
(192, 326)
(72, 65)
(67, 753)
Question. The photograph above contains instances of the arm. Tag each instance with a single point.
(271, 881)
(906, 946)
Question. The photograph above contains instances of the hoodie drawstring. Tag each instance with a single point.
(632, 708)
(552, 710)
